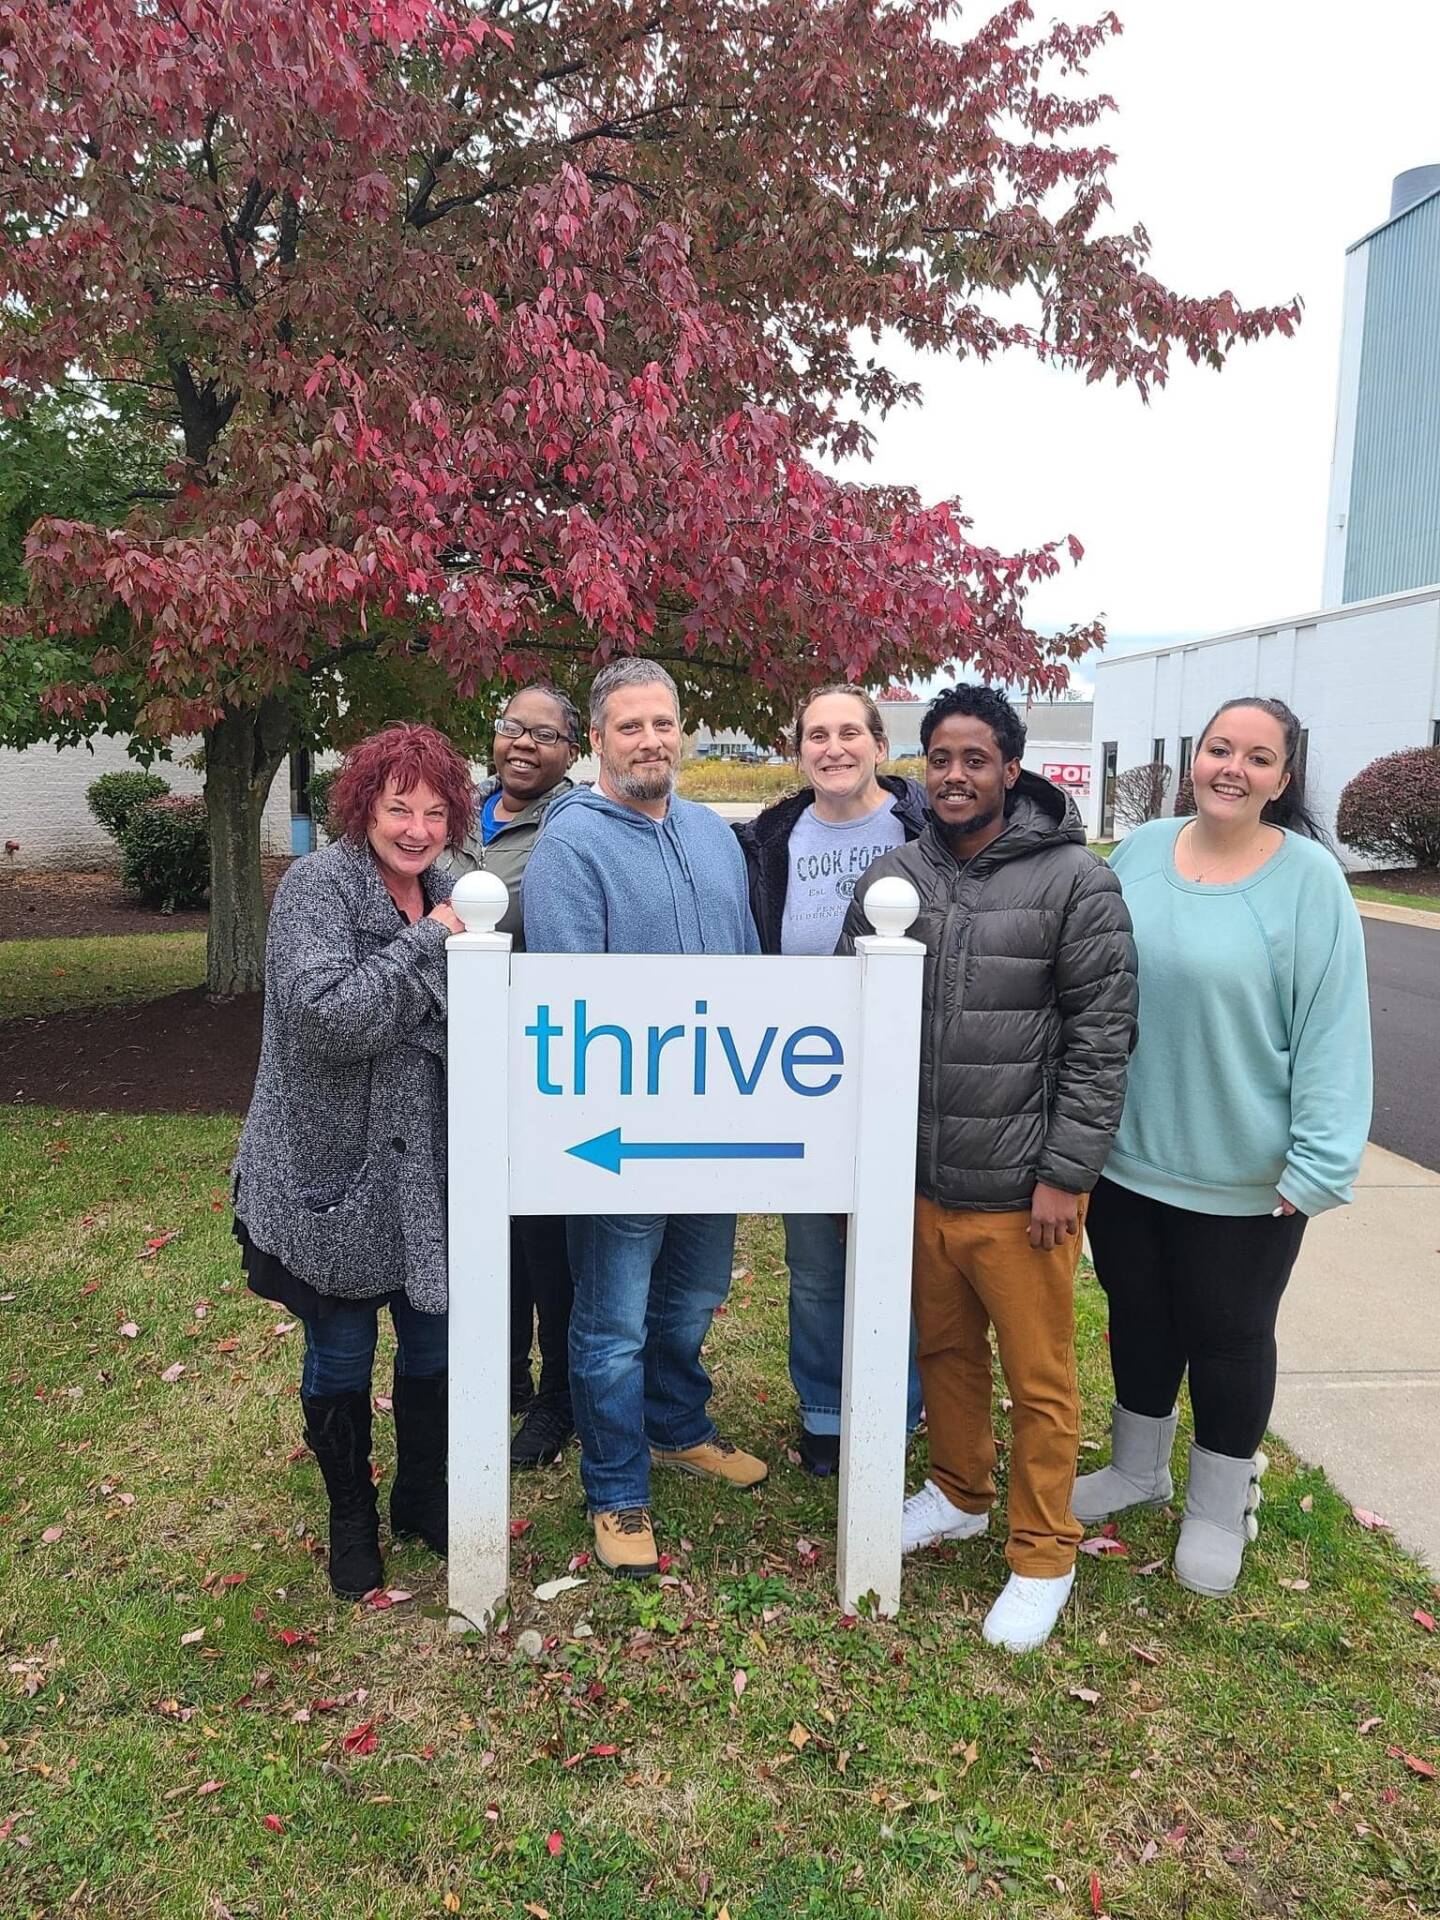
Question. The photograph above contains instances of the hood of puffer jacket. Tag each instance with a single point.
(1038, 814)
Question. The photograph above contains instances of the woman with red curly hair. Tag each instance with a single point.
(340, 1176)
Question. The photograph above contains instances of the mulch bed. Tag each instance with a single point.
(182, 1054)
(39, 904)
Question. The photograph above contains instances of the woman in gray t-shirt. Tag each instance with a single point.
(805, 854)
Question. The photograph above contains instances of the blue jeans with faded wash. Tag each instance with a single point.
(340, 1346)
(646, 1286)
(815, 1255)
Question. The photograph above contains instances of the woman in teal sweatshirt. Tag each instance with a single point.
(1246, 1112)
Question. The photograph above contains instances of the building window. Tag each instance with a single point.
(1109, 757)
(1157, 753)
(1187, 747)
(1302, 756)
(1435, 733)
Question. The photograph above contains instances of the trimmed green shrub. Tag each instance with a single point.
(321, 784)
(166, 844)
(1391, 810)
(115, 796)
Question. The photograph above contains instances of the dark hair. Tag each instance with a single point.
(982, 703)
(408, 756)
(874, 719)
(568, 709)
(1287, 809)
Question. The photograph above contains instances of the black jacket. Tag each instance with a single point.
(1029, 1005)
(765, 842)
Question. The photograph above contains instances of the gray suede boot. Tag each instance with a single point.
(1220, 1503)
(1139, 1471)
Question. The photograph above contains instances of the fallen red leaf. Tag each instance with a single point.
(663, 1562)
(274, 1823)
(361, 1739)
(519, 1527)
(208, 1786)
(1371, 1522)
(1422, 1767)
(604, 1753)
(1102, 1547)
(1097, 1901)
(1423, 1619)
(90, 1286)
(294, 1637)
(555, 1845)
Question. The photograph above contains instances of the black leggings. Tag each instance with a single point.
(1196, 1289)
(540, 1293)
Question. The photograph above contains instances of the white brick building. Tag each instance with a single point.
(42, 802)
(1364, 680)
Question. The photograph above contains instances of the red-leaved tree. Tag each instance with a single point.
(527, 334)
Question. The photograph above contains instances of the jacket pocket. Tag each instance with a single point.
(337, 1240)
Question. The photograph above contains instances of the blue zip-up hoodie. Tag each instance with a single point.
(607, 879)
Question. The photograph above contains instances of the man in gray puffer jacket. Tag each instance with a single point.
(1029, 1018)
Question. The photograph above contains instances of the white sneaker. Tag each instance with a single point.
(929, 1517)
(1024, 1616)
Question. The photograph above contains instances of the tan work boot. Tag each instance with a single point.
(715, 1459)
(625, 1543)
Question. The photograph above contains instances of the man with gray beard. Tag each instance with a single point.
(627, 866)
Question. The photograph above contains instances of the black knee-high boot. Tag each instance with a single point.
(337, 1426)
(419, 1497)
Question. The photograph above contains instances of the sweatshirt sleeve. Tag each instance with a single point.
(1330, 1069)
(1097, 992)
(341, 1008)
(563, 899)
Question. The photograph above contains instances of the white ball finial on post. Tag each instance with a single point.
(890, 906)
(480, 900)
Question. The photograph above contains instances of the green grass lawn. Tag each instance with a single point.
(1422, 902)
(1209, 1759)
(61, 976)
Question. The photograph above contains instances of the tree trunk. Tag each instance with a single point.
(243, 752)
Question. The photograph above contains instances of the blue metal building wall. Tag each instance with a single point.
(1393, 528)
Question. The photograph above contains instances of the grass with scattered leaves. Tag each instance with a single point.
(191, 1725)
(62, 976)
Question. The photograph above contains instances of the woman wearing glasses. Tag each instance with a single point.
(536, 743)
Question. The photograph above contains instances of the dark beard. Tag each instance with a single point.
(972, 827)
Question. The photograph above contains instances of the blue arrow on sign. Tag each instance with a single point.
(607, 1150)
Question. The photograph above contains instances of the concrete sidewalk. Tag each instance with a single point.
(1359, 1386)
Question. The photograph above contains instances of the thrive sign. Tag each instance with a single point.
(641, 1094)
(635, 1083)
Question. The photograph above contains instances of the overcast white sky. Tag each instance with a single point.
(1256, 139)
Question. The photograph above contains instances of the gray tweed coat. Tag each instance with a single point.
(341, 1168)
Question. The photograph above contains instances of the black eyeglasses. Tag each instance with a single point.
(542, 736)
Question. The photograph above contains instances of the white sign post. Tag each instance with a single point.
(637, 1083)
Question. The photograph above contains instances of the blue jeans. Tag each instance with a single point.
(646, 1285)
(815, 1255)
(340, 1346)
